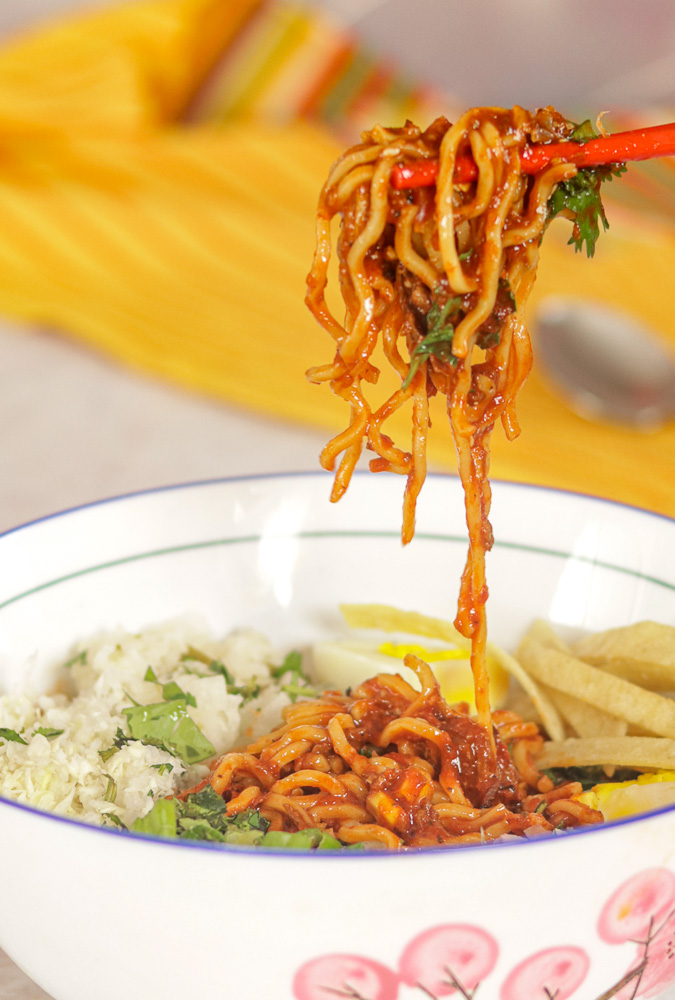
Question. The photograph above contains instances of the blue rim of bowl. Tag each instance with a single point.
(176, 843)
(322, 474)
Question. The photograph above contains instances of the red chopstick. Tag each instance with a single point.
(637, 144)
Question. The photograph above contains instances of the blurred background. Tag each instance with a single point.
(131, 353)
(564, 52)
(160, 162)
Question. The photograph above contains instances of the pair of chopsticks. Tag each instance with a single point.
(636, 144)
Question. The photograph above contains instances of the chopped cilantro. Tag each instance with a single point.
(200, 829)
(438, 340)
(49, 734)
(173, 692)
(246, 691)
(168, 725)
(160, 821)
(78, 658)
(170, 691)
(111, 789)
(303, 840)
(295, 691)
(115, 820)
(161, 768)
(298, 685)
(588, 776)
(216, 667)
(12, 736)
(292, 665)
(205, 804)
(120, 740)
(580, 196)
(203, 816)
(584, 132)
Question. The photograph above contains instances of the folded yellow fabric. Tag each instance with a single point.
(115, 72)
(154, 207)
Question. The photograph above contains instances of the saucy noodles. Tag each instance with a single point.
(435, 282)
(447, 271)
(395, 767)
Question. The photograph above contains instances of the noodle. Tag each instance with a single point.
(450, 274)
(390, 766)
(436, 283)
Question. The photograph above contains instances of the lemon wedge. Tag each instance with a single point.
(615, 800)
(346, 664)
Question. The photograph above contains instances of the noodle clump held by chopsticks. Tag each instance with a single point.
(435, 280)
(391, 766)
(447, 271)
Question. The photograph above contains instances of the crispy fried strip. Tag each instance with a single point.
(543, 659)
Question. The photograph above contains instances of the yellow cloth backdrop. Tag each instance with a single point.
(179, 245)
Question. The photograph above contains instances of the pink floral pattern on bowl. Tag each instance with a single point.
(444, 959)
(347, 976)
(642, 910)
(456, 959)
(554, 972)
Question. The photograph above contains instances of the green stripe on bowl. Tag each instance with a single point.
(253, 539)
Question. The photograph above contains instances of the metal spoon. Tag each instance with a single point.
(607, 364)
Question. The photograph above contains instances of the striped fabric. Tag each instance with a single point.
(291, 62)
(159, 169)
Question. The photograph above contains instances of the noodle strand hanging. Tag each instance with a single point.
(439, 280)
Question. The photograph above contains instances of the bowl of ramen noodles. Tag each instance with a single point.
(253, 744)
(242, 751)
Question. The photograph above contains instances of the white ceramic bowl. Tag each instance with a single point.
(92, 913)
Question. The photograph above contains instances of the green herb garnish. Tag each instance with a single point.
(111, 789)
(438, 340)
(295, 691)
(298, 685)
(49, 734)
(12, 736)
(203, 816)
(292, 665)
(246, 691)
(78, 658)
(588, 777)
(161, 768)
(168, 725)
(170, 691)
(584, 132)
(115, 820)
(303, 840)
(160, 821)
(580, 196)
(123, 739)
